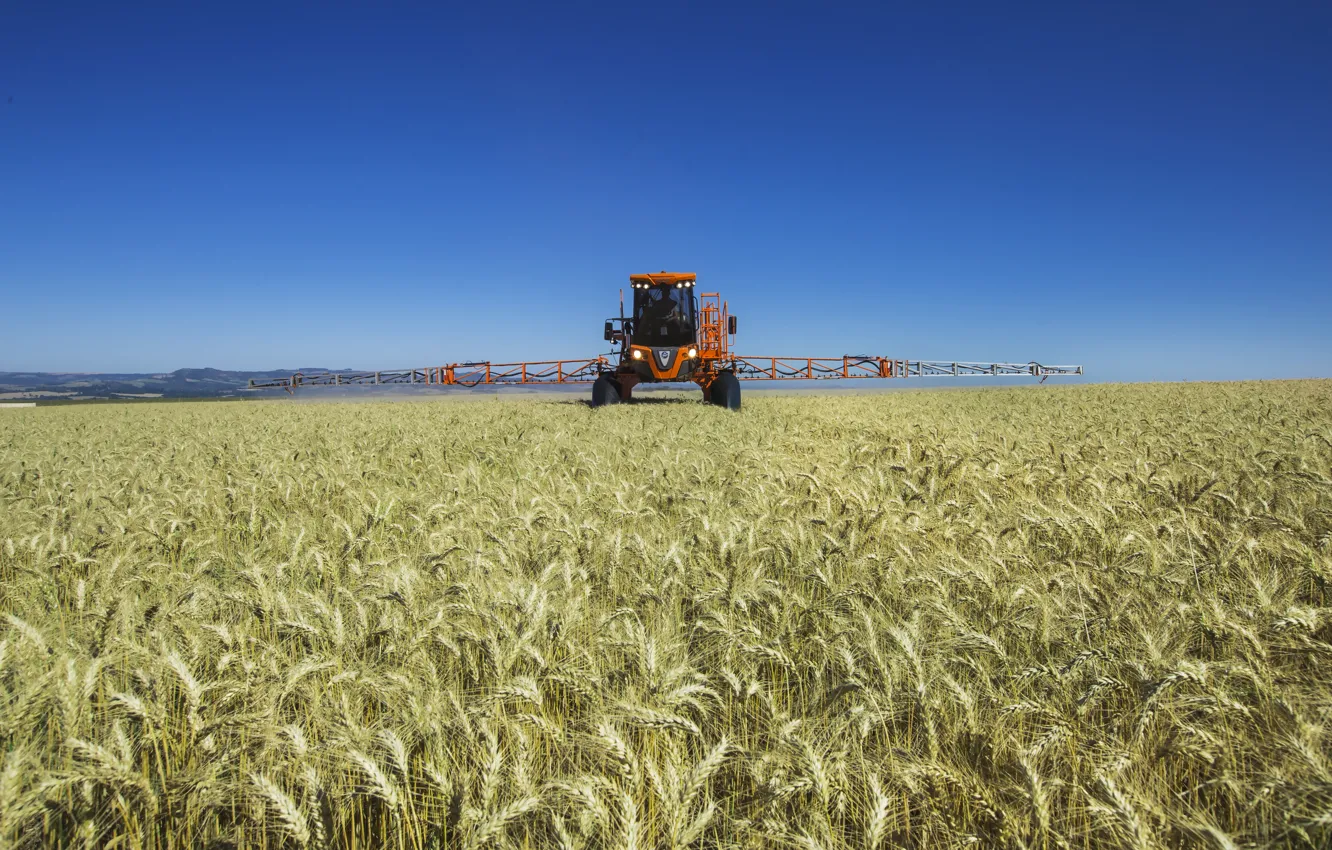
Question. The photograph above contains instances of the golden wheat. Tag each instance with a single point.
(1033, 618)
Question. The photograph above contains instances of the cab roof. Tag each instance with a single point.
(662, 278)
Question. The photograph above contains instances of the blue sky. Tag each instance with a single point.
(1144, 188)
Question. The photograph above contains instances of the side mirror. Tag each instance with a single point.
(730, 325)
(610, 332)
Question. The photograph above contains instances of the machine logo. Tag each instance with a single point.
(664, 358)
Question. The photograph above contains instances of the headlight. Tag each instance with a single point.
(693, 352)
(638, 355)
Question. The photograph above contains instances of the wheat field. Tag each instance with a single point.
(1046, 617)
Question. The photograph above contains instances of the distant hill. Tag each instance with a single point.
(182, 383)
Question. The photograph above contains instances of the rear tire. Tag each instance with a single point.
(725, 391)
(605, 391)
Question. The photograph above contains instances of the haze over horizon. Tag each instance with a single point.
(1145, 189)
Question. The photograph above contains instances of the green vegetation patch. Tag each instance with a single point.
(1038, 618)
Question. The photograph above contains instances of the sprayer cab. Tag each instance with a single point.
(664, 313)
(660, 334)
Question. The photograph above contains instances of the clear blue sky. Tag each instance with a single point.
(1144, 188)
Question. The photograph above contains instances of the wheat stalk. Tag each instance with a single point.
(293, 820)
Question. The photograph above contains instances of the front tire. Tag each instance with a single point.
(605, 391)
(725, 391)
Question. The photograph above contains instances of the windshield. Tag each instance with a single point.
(663, 315)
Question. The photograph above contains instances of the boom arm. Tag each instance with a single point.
(454, 374)
(868, 366)
(745, 368)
